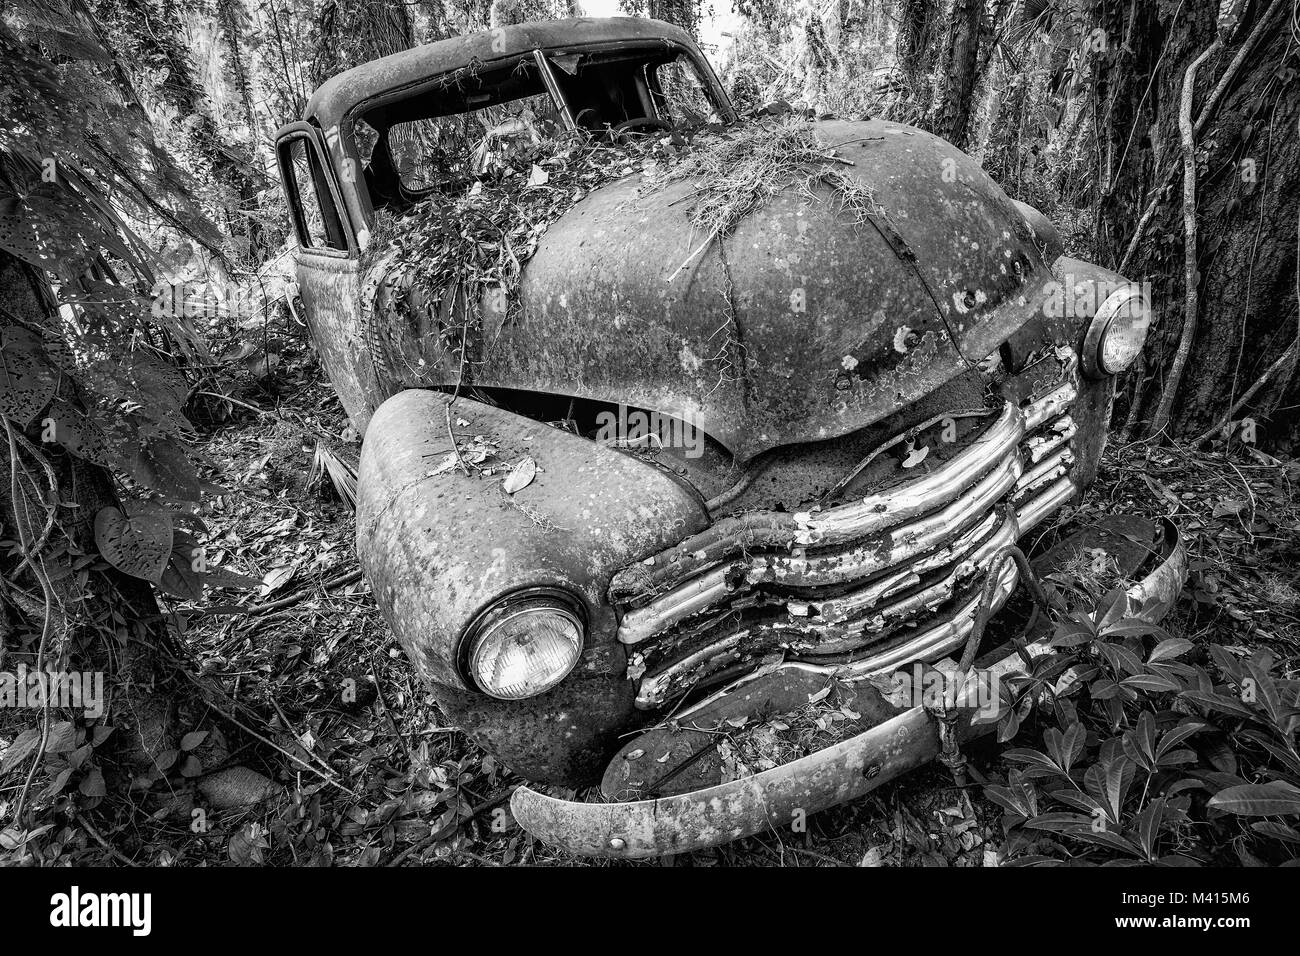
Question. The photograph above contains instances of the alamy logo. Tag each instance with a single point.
(634, 428)
(1080, 296)
(74, 909)
(72, 690)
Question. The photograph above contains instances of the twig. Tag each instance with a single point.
(1161, 420)
(288, 725)
(113, 851)
(432, 837)
(341, 581)
(691, 258)
(446, 409)
(804, 851)
(383, 705)
(235, 401)
(327, 777)
(1220, 88)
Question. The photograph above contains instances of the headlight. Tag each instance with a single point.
(524, 646)
(1117, 333)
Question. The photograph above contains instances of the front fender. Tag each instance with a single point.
(439, 546)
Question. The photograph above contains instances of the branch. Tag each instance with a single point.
(1161, 420)
(1207, 112)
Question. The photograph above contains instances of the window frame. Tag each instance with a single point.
(541, 55)
(318, 161)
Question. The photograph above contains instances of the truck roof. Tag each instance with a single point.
(337, 95)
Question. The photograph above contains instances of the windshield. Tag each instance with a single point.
(473, 122)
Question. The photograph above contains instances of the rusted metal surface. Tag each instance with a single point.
(330, 290)
(771, 799)
(1130, 541)
(951, 271)
(438, 545)
(683, 755)
(950, 266)
(928, 541)
(861, 519)
(719, 814)
(563, 737)
(812, 640)
(713, 345)
(1045, 232)
(338, 95)
(794, 337)
(1152, 597)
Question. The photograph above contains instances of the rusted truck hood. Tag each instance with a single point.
(803, 324)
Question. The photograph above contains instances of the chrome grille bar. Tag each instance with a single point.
(947, 523)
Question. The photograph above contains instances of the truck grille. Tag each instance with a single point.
(864, 587)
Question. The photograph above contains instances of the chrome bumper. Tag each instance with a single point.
(771, 799)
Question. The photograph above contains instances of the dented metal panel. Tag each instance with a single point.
(439, 545)
(882, 531)
(330, 290)
(332, 101)
(769, 800)
(615, 307)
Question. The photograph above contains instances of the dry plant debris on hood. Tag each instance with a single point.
(480, 238)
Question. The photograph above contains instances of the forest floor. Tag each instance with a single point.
(369, 774)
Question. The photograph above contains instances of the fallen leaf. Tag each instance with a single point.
(276, 578)
(520, 477)
(916, 456)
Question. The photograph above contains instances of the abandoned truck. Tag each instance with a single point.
(868, 408)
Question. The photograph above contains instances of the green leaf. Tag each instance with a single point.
(1276, 831)
(1265, 692)
(1152, 683)
(1171, 648)
(193, 739)
(1059, 822)
(1133, 627)
(1112, 609)
(24, 745)
(1257, 800)
(92, 784)
(27, 378)
(138, 545)
(1039, 764)
(1008, 799)
(1120, 658)
(1173, 737)
(166, 759)
(1149, 821)
(1140, 742)
(1219, 702)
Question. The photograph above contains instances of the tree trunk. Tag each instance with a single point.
(915, 21)
(352, 32)
(956, 75)
(1121, 77)
(144, 39)
(1247, 210)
